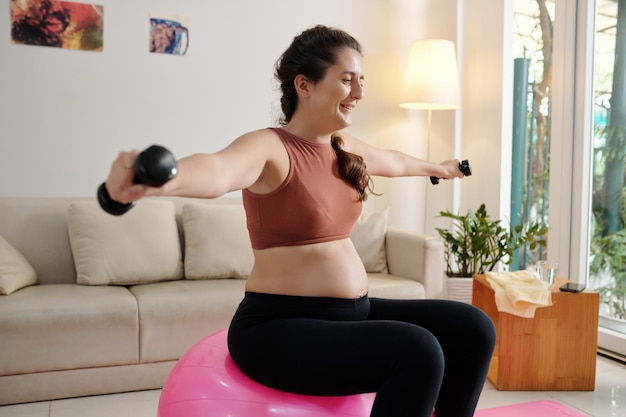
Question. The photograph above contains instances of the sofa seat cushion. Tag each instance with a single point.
(175, 315)
(391, 286)
(67, 326)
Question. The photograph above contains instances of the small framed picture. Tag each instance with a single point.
(169, 34)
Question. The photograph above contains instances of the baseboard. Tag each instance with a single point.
(612, 344)
(612, 355)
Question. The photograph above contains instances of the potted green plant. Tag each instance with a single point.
(476, 244)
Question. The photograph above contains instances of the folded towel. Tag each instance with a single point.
(519, 293)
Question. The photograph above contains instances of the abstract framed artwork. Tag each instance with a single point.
(58, 24)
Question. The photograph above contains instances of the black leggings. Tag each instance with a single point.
(417, 355)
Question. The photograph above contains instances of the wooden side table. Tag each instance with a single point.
(554, 351)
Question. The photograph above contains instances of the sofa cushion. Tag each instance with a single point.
(368, 237)
(217, 244)
(15, 271)
(391, 286)
(141, 246)
(67, 326)
(173, 316)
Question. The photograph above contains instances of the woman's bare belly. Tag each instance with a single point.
(329, 269)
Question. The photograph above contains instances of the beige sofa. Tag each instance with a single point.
(102, 304)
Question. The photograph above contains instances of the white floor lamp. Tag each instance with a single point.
(432, 78)
(432, 83)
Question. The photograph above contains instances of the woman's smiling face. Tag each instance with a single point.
(337, 94)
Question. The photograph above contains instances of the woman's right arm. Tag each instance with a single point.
(200, 175)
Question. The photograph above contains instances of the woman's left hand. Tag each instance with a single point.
(451, 169)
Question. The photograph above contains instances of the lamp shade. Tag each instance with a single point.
(432, 76)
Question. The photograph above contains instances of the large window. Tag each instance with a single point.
(533, 44)
(608, 219)
(586, 59)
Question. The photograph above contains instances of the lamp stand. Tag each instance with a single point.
(430, 122)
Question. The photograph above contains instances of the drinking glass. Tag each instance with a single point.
(546, 271)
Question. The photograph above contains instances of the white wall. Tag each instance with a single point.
(487, 110)
(65, 114)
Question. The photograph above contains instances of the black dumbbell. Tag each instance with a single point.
(464, 167)
(154, 166)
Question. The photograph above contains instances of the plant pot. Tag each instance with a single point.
(459, 289)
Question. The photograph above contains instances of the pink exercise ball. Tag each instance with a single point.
(206, 382)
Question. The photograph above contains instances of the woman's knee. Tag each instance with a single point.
(477, 326)
(418, 350)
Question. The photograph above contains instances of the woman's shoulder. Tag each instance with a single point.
(267, 134)
(348, 141)
(262, 143)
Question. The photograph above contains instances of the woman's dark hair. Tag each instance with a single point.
(311, 53)
(353, 169)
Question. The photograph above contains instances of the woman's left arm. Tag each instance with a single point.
(392, 163)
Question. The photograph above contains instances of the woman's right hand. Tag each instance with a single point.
(120, 183)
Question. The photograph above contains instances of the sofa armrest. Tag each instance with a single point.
(416, 256)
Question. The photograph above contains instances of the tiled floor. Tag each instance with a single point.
(608, 400)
